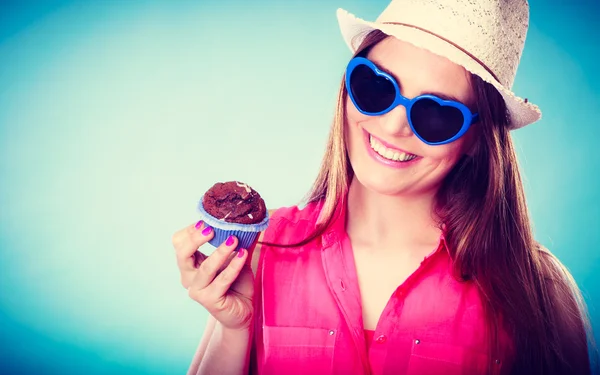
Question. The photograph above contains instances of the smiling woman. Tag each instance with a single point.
(419, 167)
(414, 253)
(115, 115)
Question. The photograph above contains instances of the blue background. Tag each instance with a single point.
(115, 116)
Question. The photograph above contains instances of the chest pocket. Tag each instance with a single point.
(298, 350)
(430, 358)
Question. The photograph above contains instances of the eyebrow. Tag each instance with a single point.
(438, 94)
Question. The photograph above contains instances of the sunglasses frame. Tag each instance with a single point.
(468, 117)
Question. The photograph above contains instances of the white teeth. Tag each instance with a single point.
(390, 154)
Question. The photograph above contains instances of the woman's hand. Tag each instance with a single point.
(221, 282)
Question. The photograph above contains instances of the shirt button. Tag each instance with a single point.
(497, 361)
(417, 341)
(331, 333)
(381, 339)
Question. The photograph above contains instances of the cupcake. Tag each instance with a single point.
(234, 208)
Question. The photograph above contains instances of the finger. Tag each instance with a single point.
(223, 281)
(188, 271)
(187, 241)
(209, 268)
(198, 258)
(213, 296)
(188, 275)
(244, 284)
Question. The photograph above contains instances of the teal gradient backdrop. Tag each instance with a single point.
(115, 116)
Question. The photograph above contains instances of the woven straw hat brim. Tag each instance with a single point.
(355, 29)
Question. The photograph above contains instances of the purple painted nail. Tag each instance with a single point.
(240, 253)
(199, 224)
(229, 241)
(207, 231)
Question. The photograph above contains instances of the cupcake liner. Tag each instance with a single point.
(245, 233)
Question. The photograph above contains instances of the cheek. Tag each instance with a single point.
(354, 122)
(353, 115)
(445, 154)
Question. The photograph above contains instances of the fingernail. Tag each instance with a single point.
(199, 224)
(207, 231)
(240, 253)
(229, 241)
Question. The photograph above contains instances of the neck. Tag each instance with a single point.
(390, 222)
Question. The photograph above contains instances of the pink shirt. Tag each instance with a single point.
(309, 314)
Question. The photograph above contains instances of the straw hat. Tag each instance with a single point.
(486, 37)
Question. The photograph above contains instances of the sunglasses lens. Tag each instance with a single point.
(372, 93)
(435, 123)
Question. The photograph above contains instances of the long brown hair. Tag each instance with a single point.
(481, 205)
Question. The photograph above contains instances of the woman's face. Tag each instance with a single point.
(417, 72)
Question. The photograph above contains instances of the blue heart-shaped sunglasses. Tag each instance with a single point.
(433, 120)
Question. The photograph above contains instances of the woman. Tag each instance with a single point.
(414, 254)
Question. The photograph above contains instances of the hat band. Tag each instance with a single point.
(448, 41)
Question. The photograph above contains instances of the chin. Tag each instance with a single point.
(394, 184)
(381, 184)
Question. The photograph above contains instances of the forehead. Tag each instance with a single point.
(419, 71)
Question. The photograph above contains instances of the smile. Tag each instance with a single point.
(389, 153)
(386, 153)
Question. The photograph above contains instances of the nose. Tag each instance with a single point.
(395, 122)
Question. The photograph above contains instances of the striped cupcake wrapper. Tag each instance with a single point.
(245, 233)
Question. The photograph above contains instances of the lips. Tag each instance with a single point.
(389, 153)
(386, 154)
(385, 149)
